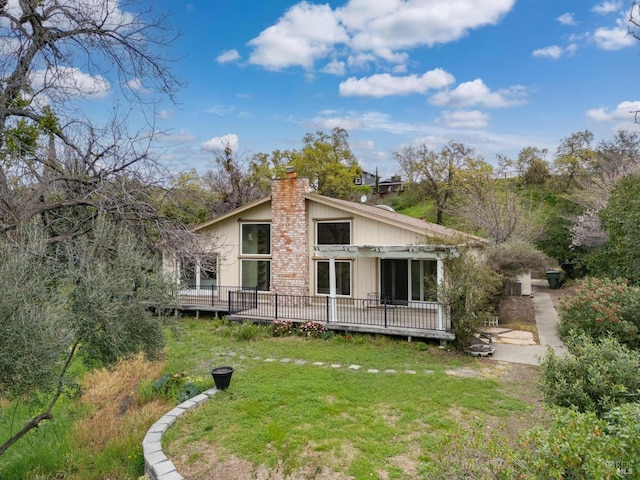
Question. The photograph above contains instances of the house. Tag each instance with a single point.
(380, 187)
(303, 256)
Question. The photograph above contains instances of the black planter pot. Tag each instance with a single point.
(222, 376)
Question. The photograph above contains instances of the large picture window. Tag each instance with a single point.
(343, 278)
(256, 239)
(333, 233)
(255, 242)
(256, 274)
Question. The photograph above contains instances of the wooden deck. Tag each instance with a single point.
(410, 319)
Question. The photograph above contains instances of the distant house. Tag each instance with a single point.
(303, 256)
(380, 187)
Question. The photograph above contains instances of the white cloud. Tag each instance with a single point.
(464, 119)
(391, 25)
(219, 144)
(179, 137)
(384, 84)
(554, 51)
(366, 30)
(164, 114)
(70, 82)
(623, 111)
(613, 38)
(607, 7)
(477, 93)
(228, 56)
(302, 35)
(137, 86)
(567, 19)
(334, 67)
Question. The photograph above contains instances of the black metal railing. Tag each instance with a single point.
(252, 304)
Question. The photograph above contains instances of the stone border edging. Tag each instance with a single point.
(156, 464)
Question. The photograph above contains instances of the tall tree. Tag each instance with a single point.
(613, 160)
(434, 173)
(620, 219)
(486, 204)
(574, 159)
(84, 188)
(325, 159)
(236, 181)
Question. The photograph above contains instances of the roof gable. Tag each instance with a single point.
(399, 220)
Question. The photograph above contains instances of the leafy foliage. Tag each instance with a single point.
(620, 219)
(470, 292)
(514, 257)
(582, 445)
(90, 296)
(600, 308)
(598, 376)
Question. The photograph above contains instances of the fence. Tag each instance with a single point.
(249, 303)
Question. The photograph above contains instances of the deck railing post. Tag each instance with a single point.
(440, 316)
(384, 305)
(276, 306)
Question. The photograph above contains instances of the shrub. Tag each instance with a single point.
(282, 328)
(470, 291)
(581, 445)
(597, 377)
(312, 329)
(177, 387)
(602, 307)
(248, 331)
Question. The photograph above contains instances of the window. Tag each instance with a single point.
(333, 233)
(256, 239)
(198, 271)
(343, 278)
(424, 282)
(256, 274)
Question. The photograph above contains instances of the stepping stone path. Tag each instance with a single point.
(159, 467)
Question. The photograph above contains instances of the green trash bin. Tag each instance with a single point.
(554, 277)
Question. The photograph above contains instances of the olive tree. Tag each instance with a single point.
(88, 300)
(79, 235)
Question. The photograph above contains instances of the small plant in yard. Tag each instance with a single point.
(312, 329)
(283, 328)
(175, 386)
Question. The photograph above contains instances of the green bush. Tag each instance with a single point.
(596, 378)
(600, 308)
(581, 445)
(177, 387)
(247, 331)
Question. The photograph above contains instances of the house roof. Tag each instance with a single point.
(399, 220)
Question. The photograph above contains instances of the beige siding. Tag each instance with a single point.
(225, 238)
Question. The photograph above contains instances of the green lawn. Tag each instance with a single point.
(286, 412)
(439, 414)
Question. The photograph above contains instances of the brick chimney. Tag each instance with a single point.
(289, 235)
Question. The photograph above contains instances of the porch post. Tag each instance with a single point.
(198, 275)
(440, 284)
(332, 290)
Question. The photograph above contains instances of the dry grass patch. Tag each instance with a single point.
(110, 396)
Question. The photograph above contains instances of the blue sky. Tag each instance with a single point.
(495, 75)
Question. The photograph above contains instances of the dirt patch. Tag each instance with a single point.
(208, 461)
(517, 311)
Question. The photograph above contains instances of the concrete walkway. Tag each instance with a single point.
(546, 319)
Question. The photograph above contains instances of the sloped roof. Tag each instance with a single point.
(399, 220)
